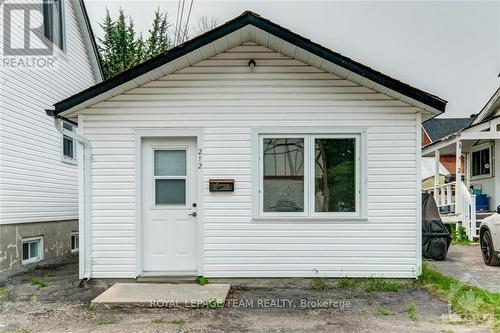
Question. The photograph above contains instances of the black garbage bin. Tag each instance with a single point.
(435, 236)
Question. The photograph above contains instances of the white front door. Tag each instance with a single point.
(169, 224)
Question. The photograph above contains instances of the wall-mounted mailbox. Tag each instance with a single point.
(221, 185)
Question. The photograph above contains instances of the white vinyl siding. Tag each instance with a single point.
(36, 185)
(222, 97)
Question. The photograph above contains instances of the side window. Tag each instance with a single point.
(32, 250)
(53, 27)
(69, 145)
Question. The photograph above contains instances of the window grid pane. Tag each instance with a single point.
(170, 191)
(26, 251)
(170, 163)
(335, 175)
(283, 167)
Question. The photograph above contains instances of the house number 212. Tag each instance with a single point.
(200, 164)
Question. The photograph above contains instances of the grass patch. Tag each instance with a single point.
(18, 330)
(472, 303)
(201, 280)
(321, 284)
(107, 322)
(384, 312)
(377, 284)
(39, 282)
(3, 294)
(412, 312)
(168, 321)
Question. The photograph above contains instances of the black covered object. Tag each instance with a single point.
(435, 237)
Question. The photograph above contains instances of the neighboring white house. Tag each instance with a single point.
(475, 148)
(250, 151)
(38, 166)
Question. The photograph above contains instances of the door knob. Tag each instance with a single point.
(193, 214)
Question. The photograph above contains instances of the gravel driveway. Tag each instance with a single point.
(465, 263)
(62, 306)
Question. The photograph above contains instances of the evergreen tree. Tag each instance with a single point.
(159, 39)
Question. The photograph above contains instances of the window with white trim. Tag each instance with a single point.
(68, 144)
(32, 250)
(74, 241)
(481, 161)
(312, 175)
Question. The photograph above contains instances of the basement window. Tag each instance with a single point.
(481, 162)
(74, 241)
(32, 250)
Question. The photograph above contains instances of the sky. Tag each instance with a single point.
(447, 48)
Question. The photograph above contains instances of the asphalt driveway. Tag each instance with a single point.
(465, 263)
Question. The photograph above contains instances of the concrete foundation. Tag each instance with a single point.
(56, 243)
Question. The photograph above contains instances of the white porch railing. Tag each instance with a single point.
(466, 209)
(445, 195)
(460, 202)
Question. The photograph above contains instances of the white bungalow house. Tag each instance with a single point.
(475, 191)
(250, 151)
(38, 165)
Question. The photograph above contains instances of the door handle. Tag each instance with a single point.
(193, 214)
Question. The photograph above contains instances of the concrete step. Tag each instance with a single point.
(163, 295)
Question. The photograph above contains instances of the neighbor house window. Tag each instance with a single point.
(309, 175)
(32, 250)
(53, 27)
(69, 145)
(481, 162)
(74, 241)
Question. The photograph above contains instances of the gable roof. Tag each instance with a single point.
(356, 71)
(488, 111)
(82, 19)
(438, 128)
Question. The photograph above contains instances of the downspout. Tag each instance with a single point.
(87, 197)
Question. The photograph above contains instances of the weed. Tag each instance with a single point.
(201, 280)
(168, 321)
(346, 283)
(377, 284)
(115, 307)
(459, 236)
(385, 312)
(39, 282)
(107, 322)
(321, 284)
(412, 312)
(212, 303)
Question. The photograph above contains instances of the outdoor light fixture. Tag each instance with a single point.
(252, 64)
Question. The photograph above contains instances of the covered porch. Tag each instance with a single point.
(470, 193)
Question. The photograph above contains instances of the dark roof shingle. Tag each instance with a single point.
(438, 128)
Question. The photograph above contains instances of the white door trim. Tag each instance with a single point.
(139, 135)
